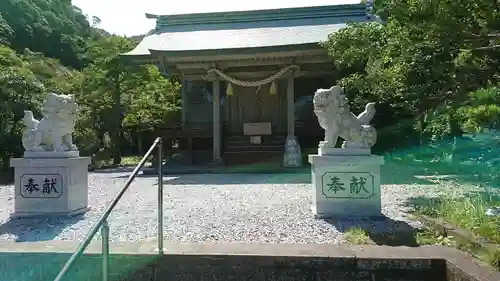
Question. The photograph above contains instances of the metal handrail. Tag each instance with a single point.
(103, 220)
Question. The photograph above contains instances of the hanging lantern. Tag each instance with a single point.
(229, 90)
(272, 89)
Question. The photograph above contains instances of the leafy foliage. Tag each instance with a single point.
(421, 64)
(121, 93)
(19, 90)
(482, 111)
(52, 27)
(49, 46)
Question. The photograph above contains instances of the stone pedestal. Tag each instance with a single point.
(50, 186)
(346, 185)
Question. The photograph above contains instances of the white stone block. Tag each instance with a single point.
(325, 151)
(346, 186)
(50, 186)
(51, 154)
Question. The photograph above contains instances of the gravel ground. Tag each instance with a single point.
(212, 208)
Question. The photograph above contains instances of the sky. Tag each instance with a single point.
(129, 19)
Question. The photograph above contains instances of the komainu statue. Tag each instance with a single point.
(331, 106)
(53, 133)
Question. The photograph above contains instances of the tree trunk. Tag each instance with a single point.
(117, 155)
(116, 134)
(140, 143)
(423, 125)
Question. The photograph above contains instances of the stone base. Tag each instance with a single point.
(18, 215)
(346, 186)
(217, 162)
(333, 151)
(51, 154)
(50, 186)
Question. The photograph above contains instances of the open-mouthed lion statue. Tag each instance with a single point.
(54, 131)
(331, 107)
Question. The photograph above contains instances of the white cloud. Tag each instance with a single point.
(129, 19)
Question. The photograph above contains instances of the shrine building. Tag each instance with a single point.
(248, 77)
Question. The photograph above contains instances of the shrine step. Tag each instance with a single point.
(253, 148)
(239, 149)
(245, 140)
(251, 157)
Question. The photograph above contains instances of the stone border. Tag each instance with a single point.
(362, 256)
(206, 169)
(449, 229)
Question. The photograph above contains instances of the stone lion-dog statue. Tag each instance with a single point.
(53, 133)
(331, 106)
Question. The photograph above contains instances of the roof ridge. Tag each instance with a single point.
(261, 15)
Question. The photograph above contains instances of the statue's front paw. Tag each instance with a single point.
(61, 147)
(38, 149)
(73, 148)
(326, 144)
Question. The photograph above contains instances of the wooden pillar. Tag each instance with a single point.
(292, 156)
(216, 121)
(290, 105)
(183, 100)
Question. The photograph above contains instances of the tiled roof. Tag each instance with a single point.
(251, 29)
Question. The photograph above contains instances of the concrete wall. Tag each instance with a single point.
(46, 266)
(42, 261)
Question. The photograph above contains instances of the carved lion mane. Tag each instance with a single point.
(331, 106)
(59, 111)
(53, 131)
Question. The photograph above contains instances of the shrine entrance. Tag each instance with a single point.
(254, 105)
(274, 48)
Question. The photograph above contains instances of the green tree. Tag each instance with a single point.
(421, 62)
(19, 90)
(52, 27)
(118, 92)
(49, 46)
(482, 111)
